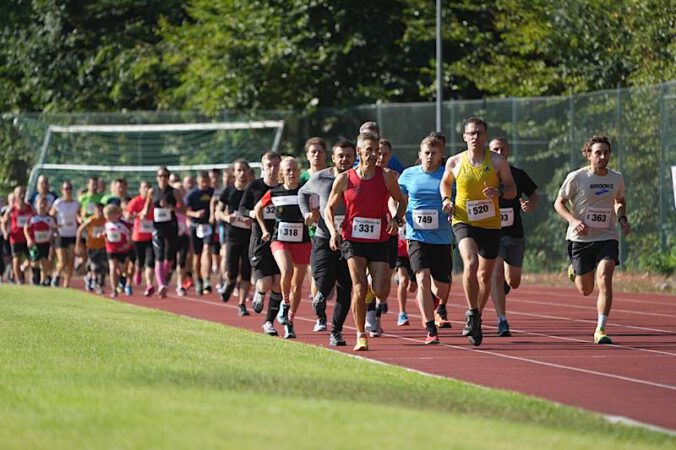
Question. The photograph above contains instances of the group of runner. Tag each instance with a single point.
(356, 222)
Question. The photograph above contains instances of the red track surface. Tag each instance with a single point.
(550, 354)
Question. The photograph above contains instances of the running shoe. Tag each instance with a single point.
(198, 287)
(289, 332)
(319, 305)
(378, 331)
(207, 288)
(242, 311)
(371, 324)
(258, 302)
(571, 273)
(336, 339)
(180, 291)
(320, 325)
(227, 292)
(269, 329)
(119, 290)
(403, 319)
(220, 287)
(162, 291)
(431, 339)
(362, 343)
(88, 283)
(113, 294)
(283, 316)
(600, 337)
(150, 290)
(503, 329)
(188, 283)
(127, 290)
(56, 281)
(473, 327)
(441, 317)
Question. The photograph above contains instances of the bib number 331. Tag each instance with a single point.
(366, 228)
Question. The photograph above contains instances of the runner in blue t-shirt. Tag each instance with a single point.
(428, 231)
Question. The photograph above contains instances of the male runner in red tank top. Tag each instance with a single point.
(367, 226)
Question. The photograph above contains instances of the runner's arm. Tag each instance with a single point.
(339, 185)
(621, 213)
(505, 176)
(446, 186)
(564, 212)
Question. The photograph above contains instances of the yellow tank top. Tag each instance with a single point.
(471, 206)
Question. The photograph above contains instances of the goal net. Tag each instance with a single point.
(135, 151)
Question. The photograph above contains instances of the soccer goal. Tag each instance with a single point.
(135, 151)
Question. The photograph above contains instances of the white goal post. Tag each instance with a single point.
(276, 126)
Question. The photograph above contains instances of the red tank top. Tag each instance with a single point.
(366, 213)
(18, 219)
(118, 237)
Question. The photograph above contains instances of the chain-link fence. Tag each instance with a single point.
(545, 134)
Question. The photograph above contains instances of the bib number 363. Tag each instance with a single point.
(597, 217)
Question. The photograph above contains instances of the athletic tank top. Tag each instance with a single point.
(18, 218)
(289, 223)
(163, 215)
(118, 237)
(471, 206)
(40, 229)
(366, 213)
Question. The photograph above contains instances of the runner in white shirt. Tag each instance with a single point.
(66, 210)
(596, 197)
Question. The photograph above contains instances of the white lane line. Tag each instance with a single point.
(515, 298)
(486, 352)
(669, 300)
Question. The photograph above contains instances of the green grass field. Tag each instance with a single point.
(79, 371)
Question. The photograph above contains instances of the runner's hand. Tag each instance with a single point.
(334, 242)
(392, 227)
(626, 228)
(448, 207)
(490, 192)
(580, 227)
(266, 236)
(526, 205)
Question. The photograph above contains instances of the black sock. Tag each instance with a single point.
(431, 328)
(379, 309)
(371, 306)
(273, 306)
(36, 276)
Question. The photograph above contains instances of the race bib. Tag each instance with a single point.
(290, 232)
(113, 236)
(241, 222)
(68, 223)
(598, 217)
(366, 228)
(203, 230)
(506, 217)
(425, 219)
(480, 209)
(269, 212)
(162, 214)
(21, 221)
(42, 237)
(97, 232)
(146, 226)
(338, 222)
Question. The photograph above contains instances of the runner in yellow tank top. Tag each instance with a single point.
(481, 177)
(471, 205)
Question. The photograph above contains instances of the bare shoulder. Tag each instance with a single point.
(454, 161)
(498, 160)
(341, 181)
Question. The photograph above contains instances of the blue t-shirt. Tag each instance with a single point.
(425, 220)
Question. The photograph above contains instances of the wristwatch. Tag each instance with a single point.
(399, 220)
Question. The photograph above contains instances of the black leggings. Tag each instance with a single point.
(329, 269)
(165, 237)
(145, 254)
(236, 258)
